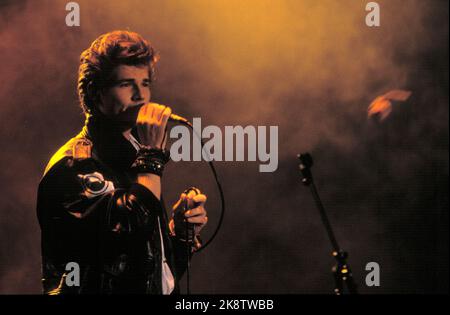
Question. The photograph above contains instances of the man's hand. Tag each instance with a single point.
(151, 129)
(196, 213)
(151, 125)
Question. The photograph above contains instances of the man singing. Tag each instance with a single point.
(99, 202)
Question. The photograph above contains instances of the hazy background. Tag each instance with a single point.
(309, 67)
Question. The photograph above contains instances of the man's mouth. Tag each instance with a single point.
(131, 111)
(129, 115)
(131, 107)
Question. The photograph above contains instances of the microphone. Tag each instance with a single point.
(190, 232)
(178, 119)
(173, 117)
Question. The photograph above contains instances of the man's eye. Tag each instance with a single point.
(124, 84)
(146, 84)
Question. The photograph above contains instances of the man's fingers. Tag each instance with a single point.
(198, 220)
(201, 198)
(142, 114)
(191, 194)
(199, 211)
(195, 201)
(165, 115)
(158, 112)
(178, 203)
(190, 199)
(152, 111)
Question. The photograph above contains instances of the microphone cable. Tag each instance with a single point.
(219, 188)
(222, 209)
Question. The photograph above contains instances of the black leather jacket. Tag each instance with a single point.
(91, 212)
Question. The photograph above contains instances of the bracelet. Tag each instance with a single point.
(147, 166)
(152, 153)
(151, 161)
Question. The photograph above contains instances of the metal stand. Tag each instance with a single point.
(341, 271)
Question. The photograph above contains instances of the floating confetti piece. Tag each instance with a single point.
(381, 107)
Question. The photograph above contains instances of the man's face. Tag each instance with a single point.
(129, 90)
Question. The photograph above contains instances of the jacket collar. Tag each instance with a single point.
(109, 144)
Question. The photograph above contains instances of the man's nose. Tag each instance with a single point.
(137, 94)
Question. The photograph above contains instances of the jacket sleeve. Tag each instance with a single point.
(81, 212)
